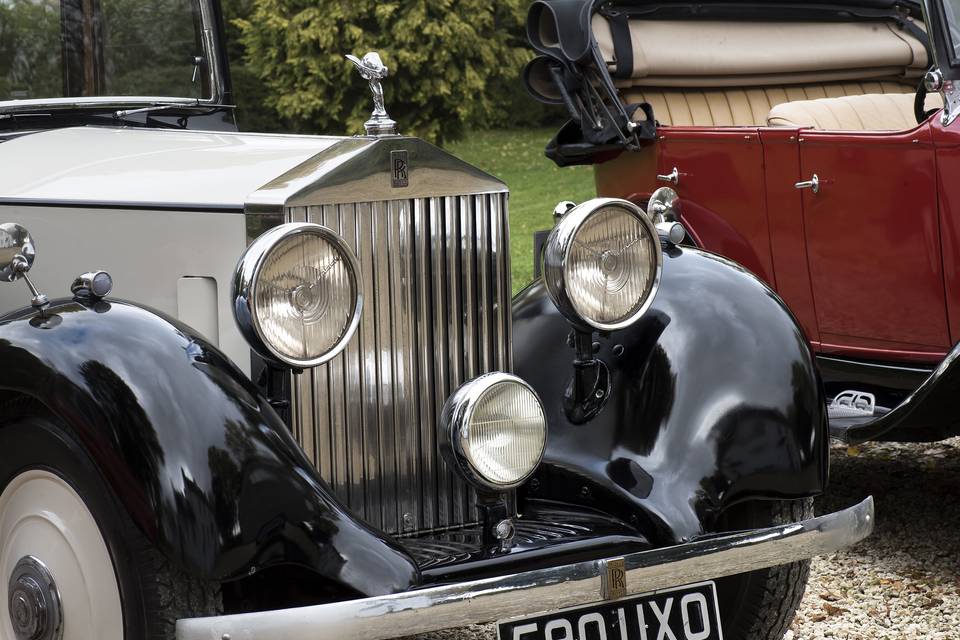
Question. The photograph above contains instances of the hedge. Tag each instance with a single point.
(454, 64)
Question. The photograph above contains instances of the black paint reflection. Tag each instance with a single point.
(715, 400)
(201, 462)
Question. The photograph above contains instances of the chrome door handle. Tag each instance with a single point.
(813, 184)
(673, 176)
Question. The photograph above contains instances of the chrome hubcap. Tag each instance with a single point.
(34, 602)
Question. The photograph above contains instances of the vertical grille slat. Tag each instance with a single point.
(469, 286)
(410, 415)
(353, 397)
(386, 367)
(501, 306)
(424, 345)
(454, 315)
(436, 286)
(484, 321)
(369, 372)
(439, 355)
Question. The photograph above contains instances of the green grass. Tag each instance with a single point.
(536, 185)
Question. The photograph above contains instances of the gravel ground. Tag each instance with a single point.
(904, 581)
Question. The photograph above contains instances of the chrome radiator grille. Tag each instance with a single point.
(436, 312)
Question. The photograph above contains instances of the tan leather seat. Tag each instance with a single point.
(871, 112)
(745, 107)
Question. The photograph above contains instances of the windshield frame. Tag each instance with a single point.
(951, 45)
(946, 58)
(216, 76)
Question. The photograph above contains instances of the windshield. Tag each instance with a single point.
(99, 48)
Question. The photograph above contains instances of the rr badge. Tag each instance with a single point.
(400, 169)
(613, 580)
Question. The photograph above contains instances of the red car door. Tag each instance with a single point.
(873, 243)
(720, 181)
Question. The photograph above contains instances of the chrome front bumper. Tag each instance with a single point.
(541, 591)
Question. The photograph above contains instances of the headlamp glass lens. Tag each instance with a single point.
(611, 266)
(305, 296)
(505, 434)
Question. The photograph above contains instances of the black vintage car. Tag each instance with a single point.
(267, 386)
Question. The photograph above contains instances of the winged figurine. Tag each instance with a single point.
(373, 70)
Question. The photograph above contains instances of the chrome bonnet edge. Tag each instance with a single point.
(535, 592)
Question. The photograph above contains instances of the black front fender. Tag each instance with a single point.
(715, 400)
(196, 456)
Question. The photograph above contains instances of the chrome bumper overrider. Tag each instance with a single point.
(543, 590)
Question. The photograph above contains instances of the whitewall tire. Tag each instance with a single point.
(73, 565)
(43, 518)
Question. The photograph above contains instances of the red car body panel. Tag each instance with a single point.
(867, 264)
(947, 143)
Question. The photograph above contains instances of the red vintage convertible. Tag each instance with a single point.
(816, 144)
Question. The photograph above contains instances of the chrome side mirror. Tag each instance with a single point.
(17, 253)
(663, 209)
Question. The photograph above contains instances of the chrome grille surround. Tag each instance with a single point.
(436, 274)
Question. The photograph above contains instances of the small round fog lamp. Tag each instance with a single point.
(493, 431)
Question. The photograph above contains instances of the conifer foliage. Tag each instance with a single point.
(453, 63)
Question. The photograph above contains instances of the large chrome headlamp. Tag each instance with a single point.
(493, 430)
(602, 264)
(297, 296)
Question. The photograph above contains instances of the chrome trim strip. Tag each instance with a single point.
(72, 102)
(191, 207)
(214, 62)
(544, 590)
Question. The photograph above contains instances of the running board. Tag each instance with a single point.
(851, 409)
(933, 410)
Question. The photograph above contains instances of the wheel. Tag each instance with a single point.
(72, 564)
(760, 605)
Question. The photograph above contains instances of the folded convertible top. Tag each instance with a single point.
(589, 49)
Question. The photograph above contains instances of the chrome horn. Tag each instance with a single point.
(662, 209)
(17, 253)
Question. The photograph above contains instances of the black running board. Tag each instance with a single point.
(933, 410)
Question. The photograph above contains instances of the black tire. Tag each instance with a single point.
(153, 592)
(760, 605)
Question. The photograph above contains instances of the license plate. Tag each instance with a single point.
(685, 613)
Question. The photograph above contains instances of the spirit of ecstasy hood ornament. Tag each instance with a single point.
(373, 70)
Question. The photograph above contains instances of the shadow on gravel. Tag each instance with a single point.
(917, 492)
